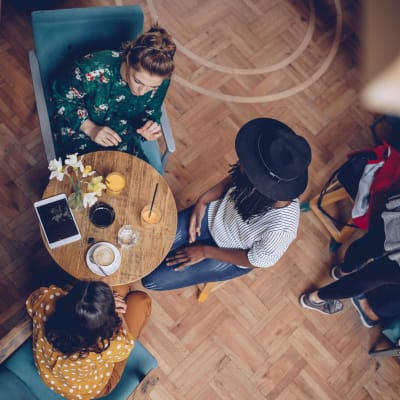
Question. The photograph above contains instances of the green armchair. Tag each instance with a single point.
(19, 378)
(66, 34)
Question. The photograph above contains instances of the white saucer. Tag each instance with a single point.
(103, 271)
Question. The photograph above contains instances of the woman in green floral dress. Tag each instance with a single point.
(112, 100)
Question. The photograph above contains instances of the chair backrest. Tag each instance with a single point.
(61, 36)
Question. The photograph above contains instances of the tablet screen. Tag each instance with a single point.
(57, 220)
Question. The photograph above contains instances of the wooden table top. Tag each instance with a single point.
(154, 240)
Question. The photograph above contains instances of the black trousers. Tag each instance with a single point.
(379, 278)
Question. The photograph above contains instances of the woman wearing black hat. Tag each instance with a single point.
(246, 221)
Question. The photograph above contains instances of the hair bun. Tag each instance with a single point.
(153, 51)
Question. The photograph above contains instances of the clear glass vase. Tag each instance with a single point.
(75, 200)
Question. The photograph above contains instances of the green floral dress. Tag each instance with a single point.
(94, 89)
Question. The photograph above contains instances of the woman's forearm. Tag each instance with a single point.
(232, 256)
(88, 128)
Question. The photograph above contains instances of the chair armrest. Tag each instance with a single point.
(142, 391)
(393, 352)
(41, 106)
(15, 338)
(167, 134)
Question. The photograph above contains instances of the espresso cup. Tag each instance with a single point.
(102, 215)
(103, 256)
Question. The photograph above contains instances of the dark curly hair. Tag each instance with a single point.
(153, 51)
(84, 320)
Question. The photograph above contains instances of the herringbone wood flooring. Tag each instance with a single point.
(237, 60)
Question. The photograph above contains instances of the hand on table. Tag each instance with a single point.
(150, 130)
(102, 135)
(120, 304)
(186, 256)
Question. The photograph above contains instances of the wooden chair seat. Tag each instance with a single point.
(335, 193)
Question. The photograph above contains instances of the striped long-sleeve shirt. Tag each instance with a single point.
(266, 237)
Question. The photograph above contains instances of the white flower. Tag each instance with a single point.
(96, 185)
(72, 160)
(56, 168)
(76, 172)
(89, 199)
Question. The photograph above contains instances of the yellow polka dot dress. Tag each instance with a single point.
(72, 377)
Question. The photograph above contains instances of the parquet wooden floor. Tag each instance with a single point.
(296, 61)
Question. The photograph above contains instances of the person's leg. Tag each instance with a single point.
(122, 290)
(367, 309)
(165, 278)
(368, 246)
(209, 270)
(138, 311)
(373, 275)
(385, 301)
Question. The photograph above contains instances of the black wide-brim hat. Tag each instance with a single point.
(274, 158)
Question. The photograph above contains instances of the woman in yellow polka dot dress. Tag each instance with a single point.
(82, 338)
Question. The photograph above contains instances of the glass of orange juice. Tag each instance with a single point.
(152, 216)
(115, 183)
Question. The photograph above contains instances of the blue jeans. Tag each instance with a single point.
(209, 270)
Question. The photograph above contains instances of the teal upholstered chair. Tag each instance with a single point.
(61, 36)
(19, 379)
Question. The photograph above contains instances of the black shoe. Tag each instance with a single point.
(367, 321)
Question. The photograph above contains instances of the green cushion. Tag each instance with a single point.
(12, 388)
(21, 364)
(392, 330)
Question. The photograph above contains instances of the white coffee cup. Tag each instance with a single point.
(103, 256)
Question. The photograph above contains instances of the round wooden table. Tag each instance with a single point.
(154, 240)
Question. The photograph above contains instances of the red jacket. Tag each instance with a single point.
(386, 179)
